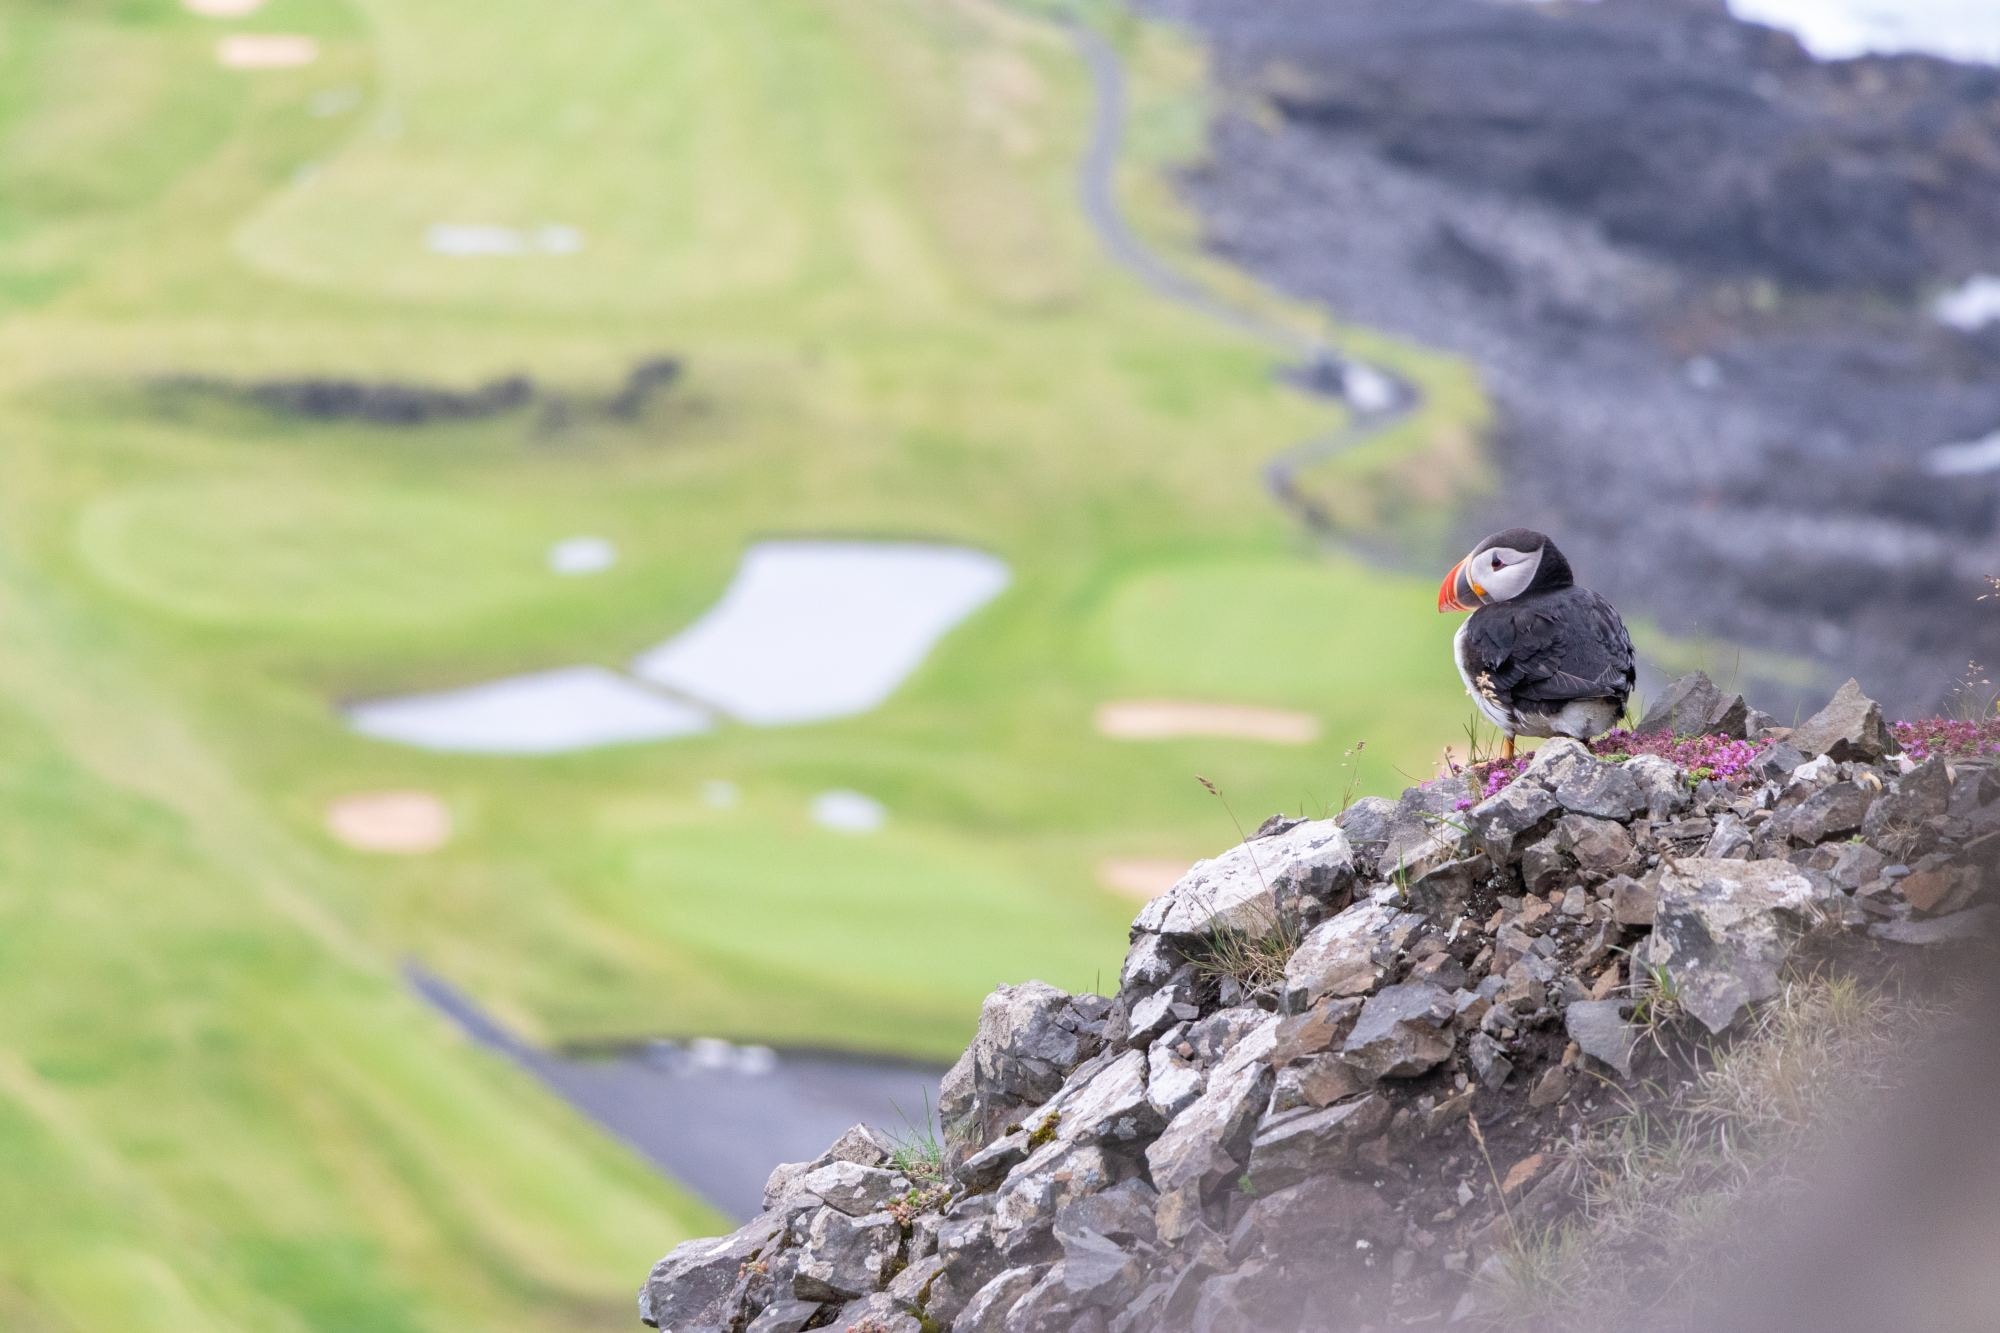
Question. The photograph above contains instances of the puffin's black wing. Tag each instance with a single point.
(1543, 651)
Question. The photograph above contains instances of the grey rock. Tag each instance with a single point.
(1317, 1029)
(1030, 1036)
(1401, 1031)
(785, 1316)
(1967, 925)
(1633, 902)
(1174, 1002)
(1320, 1213)
(696, 1286)
(1215, 1036)
(879, 1313)
(987, 1311)
(1693, 706)
(845, 1257)
(1906, 821)
(1723, 930)
(1047, 1307)
(858, 1144)
(1292, 1149)
(1850, 727)
(1777, 762)
(1205, 1144)
(1829, 812)
(990, 1165)
(913, 1284)
(1148, 963)
(1348, 954)
(1488, 1059)
(1109, 1105)
(1369, 823)
(1551, 1086)
(1251, 886)
(854, 1189)
(1602, 847)
(1025, 1208)
(1172, 1080)
(1320, 1080)
(1731, 840)
(1667, 793)
(1503, 819)
(1856, 864)
(1603, 791)
(1097, 1269)
(1599, 1029)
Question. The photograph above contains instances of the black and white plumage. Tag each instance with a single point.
(1540, 656)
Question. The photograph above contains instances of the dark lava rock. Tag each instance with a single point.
(1693, 706)
(1849, 727)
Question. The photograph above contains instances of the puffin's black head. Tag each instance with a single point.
(1503, 567)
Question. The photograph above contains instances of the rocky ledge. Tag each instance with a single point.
(1344, 1055)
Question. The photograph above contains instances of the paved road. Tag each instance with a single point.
(715, 1119)
(1377, 398)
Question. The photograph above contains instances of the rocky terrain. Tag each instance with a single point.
(1347, 1059)
(1696, 268)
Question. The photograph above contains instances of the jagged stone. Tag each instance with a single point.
(913, 1283)
(879, 1313)
(1856, 864)
(1601, 847)
(1488, 1059)
(1602, 791)
(1369, 824)
(1829, 812)
(1731, 840)
(846, 1257)
(1633, 902)
(1693, 705)
(987, 1310)
(1097, 1270)
(1401, 1032)
(1666, 791)
(1172, 1080)
(1777, 762)
(1599, 1029)
(1967, 925)
(853, 1189)
(1319, 1028)
(990, 1165)
(697, 1284)
(1174, 1002)
(1205, 1144)
(1030, 1036)
(1347, 954)
(1250, 887)
(1110, 1105)
(1215, 1036)
(1850, 727)
(1289, 1150)
(1148, 963)
(1508, 816)
(1325, 1211)
(1320, 1080)
(1906, 822)
(1024, 1209)
(1723, 930)
(858, 1145)
(785, 1316)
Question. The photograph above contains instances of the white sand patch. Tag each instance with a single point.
(574, 708)
(1142, 878)
(1173, 719)
(718, 794)
(1965, 30)
(575, 556)
(394, 823)
(223, 9)
(477, 240)
(266, 50)
(1970, 306)
(814, 630)
(848, 812)
(334, 102)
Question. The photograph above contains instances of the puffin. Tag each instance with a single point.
(1540, 655)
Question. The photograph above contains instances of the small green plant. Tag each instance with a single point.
(1045, 1133)
(1254, 958)
(919, 1150)
(1657, 1003)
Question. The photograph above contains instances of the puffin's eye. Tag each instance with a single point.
(1496, 562)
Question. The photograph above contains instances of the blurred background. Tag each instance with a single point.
(578, 583)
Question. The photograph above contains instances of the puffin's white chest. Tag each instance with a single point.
(1488, 705)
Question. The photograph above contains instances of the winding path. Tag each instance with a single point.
(1377, 398)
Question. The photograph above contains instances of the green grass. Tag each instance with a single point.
(856, 224)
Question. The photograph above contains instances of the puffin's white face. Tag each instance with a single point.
(1500, 573)
(1490, 574)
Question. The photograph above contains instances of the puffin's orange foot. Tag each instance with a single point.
(1507, 748)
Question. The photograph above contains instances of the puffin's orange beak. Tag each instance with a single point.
(1458, 592)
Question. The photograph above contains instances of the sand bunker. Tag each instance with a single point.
(1142, 878)
(223, 9)
(266, 51)
(805, 632)
(848, 812)
(395, 823)
(575, 708)
(809, 631)
(1168, 719)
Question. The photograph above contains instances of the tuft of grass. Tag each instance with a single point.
(1254, 958)
(919, 1151)
(1664, 1181)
